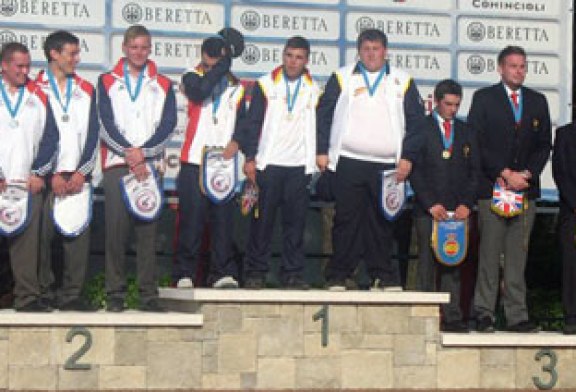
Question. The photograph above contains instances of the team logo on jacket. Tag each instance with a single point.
(450, 241)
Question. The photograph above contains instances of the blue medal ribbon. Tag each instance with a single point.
(291, 99)
(56, 91)
(372, 89)
(446, 141)
(12, 111)
(139, 81)
(517, 110)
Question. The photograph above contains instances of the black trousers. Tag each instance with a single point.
(360, 230)
(194, 210)
(567, 232)
(285, 189)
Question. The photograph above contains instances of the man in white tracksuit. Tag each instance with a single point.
(73, 102)
(137, 108)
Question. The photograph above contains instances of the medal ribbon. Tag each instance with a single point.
(291, 100)
(516, 106)
(12, 111)
(56, 90)
(139, 81)
(217, 95)
(372, 89)
(447, 135)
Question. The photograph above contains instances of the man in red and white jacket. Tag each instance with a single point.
(28, 143)
(215, 104)
(73, 102)
(138, 111)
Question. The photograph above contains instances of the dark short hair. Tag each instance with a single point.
(57, 40)
(212, 46)
(298, 42)
(8, 50)
(510, 50)
(447, 86)
(371, 35)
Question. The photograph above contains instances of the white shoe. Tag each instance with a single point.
(185, 283)
(226, 282)
(378, 285)
(393, 288)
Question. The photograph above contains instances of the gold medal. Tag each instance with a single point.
(289, 116)
(446, 154)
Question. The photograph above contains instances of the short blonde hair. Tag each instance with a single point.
(135, 31)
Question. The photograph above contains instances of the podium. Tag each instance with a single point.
(275, 340)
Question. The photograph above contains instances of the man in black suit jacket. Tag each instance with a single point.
(564, 171)
(513, 126)
(444, 179)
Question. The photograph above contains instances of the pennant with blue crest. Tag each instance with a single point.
(450, 241)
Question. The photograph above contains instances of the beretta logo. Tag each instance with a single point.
(476, 31)
(250, 20)
(251, 54)
(476, 64)
(8, 7)
(132, 13)
(364, 23)
(7, 36)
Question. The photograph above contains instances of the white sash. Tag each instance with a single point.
(73, 213)
(218, 176)
(15, 208)
(143, 199)
(392, 196)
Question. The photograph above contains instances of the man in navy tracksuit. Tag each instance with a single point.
(280, 157)
(215, 104)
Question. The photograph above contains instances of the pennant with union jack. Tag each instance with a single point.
(507, 203)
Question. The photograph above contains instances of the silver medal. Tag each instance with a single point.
(215, 120)
(13, 123)
(65, 117)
